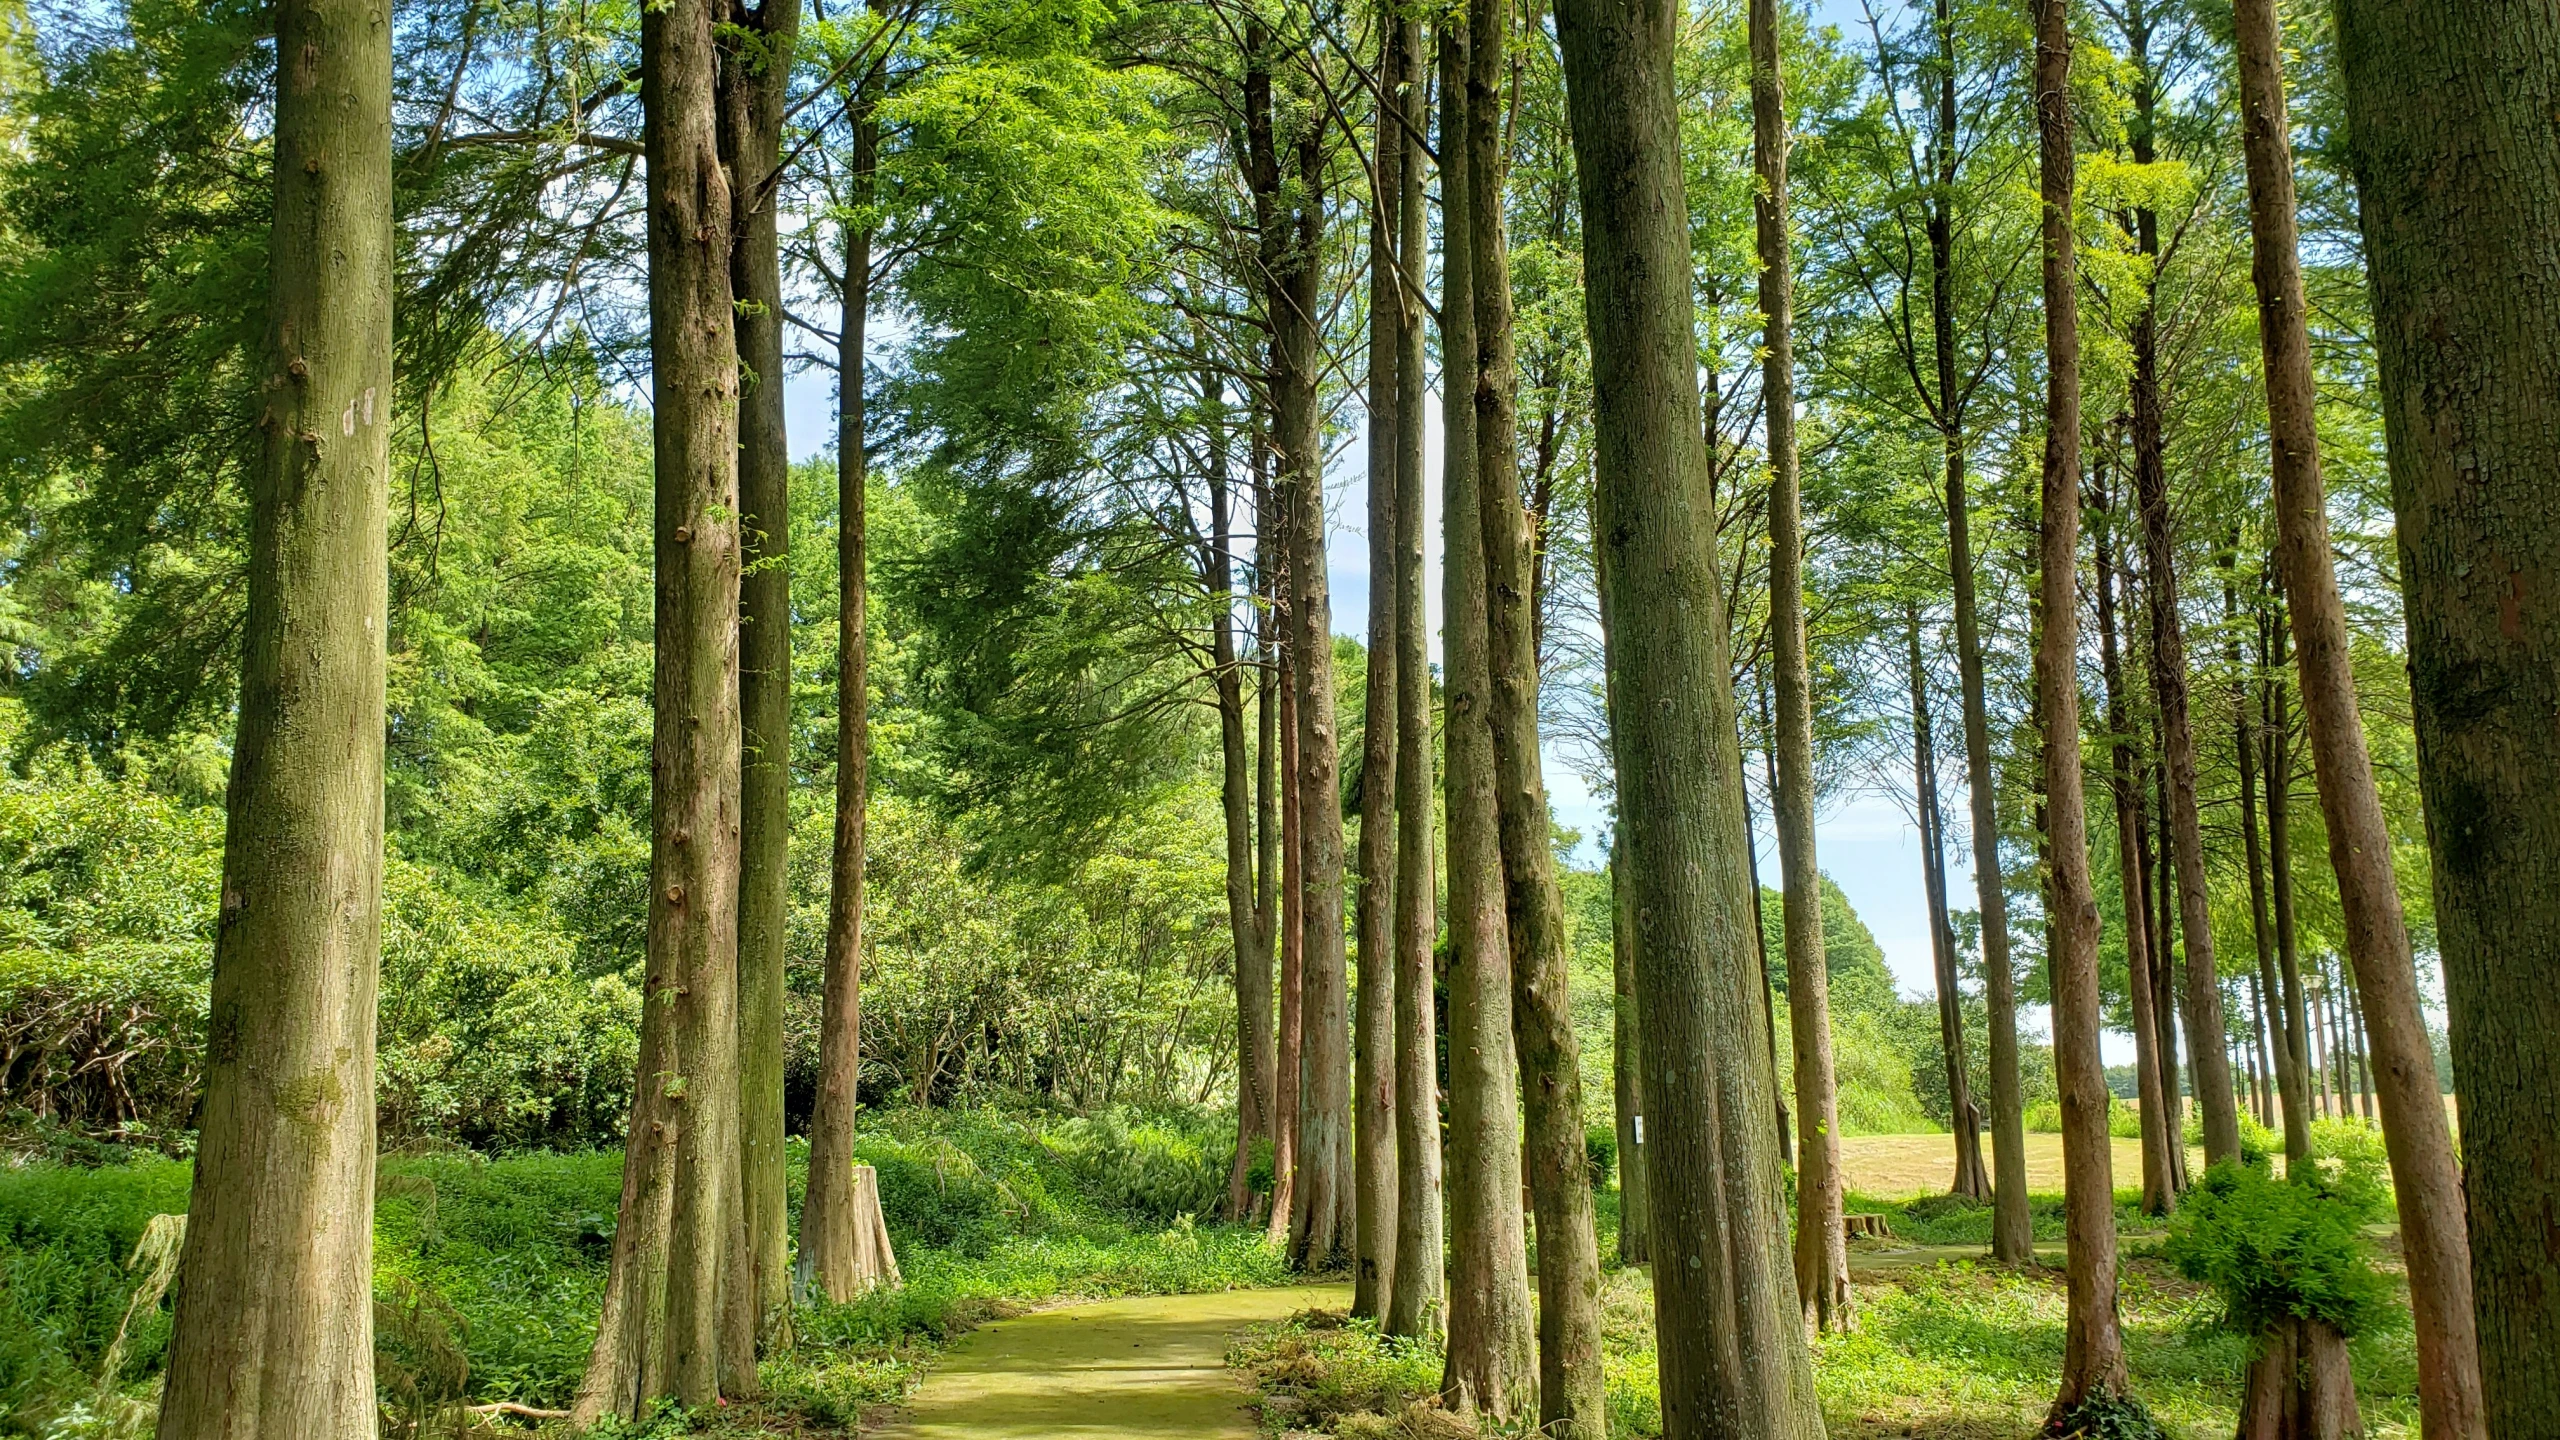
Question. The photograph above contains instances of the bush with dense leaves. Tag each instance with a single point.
(2276, 1249)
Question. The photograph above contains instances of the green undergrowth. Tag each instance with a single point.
(1945, 1345)
(500, 1262)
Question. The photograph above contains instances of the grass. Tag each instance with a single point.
(498, 1265)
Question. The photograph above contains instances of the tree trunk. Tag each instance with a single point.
(2300, 1385)
(2280, 1080)
(1248, 904)
(2159, 1192)
(831, 1220)
(2093, 1368)
(659, 1334)
(1821, 1242)
(1572, 1398)
(1374, 1078)
(1945, 150)
(2274, 733)
(1321, 1218)
(2208, 1065)
(2164, 974)
(1786, 1130)
(2011, 1229)
(1491, 1367)
(1417, 1299)
(274, 1330)
(2435, 295)
(1972, 1181)
(755, 68)
(1730, 1340)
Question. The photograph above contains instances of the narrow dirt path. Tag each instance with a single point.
(1153, 1367)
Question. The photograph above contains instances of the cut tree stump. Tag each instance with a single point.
(2300, 1386)
(1874, 1227)
(875, 1260)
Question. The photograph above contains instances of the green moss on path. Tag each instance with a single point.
(1155, 1366)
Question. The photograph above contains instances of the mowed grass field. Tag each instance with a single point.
(1899, 1167)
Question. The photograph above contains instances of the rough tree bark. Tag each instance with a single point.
(1321, 1216)
(659, 1334)
(1971, 1181)
(1491, 1365)
(1730, 1339)
(1628, 1075)
(2093, 1367)
(2427, 307)
(274, 1331)
(1822, 1244)
(1374, 1073)
(1416, 1301)
(1572, 1390)
(2300, 1385)
(831, 1223)
(2159, 1192)
(755, 68)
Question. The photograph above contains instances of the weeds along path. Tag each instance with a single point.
(1148, 1367)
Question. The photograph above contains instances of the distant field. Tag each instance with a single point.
(1894, 1167)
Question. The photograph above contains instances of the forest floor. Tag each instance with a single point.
(1142, 1368)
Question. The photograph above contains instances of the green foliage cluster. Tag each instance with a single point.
(2277, 1249)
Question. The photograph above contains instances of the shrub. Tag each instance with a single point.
(1600, 1151)
(2354, 1166)
(2274, 1249)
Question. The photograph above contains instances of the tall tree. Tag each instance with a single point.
(755, 74)
(274, 1330)
(1822, 1243)
(2210, 1064)
(2124, 780)
(1321, 1219)
(1971, 1180)
(830, 1228)
(1572, 1390)
(673, 1237)
(1490, 1356)
(2445, 618)
(2093, 1368)
(1416, 1299)
(1730, 1338)
(1252, 849)
(1374, 1078)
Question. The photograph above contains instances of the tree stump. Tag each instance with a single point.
(2300, 1386)
(1874, 1227)
(875, 1261)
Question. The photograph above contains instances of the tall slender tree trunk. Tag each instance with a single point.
(1729, 1338)
(755, 68)
(1491, 1364)
(1290, 1064)
(2159, 1192)
(2093, 1368)
(1572, 1390)
(673, 1239)
(1786, 1129)
(832, 1227)
(1321, 1221)
(1972, 1180)
(274, 1331)
(2275, 734)
(1822, 1243)
(1417, 1300)
(1248, 903)
(2012, 1232)
(2164, 972)
(2207, 1064)
(2387, 46)
(1374, 1076)
(2279, 1080)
